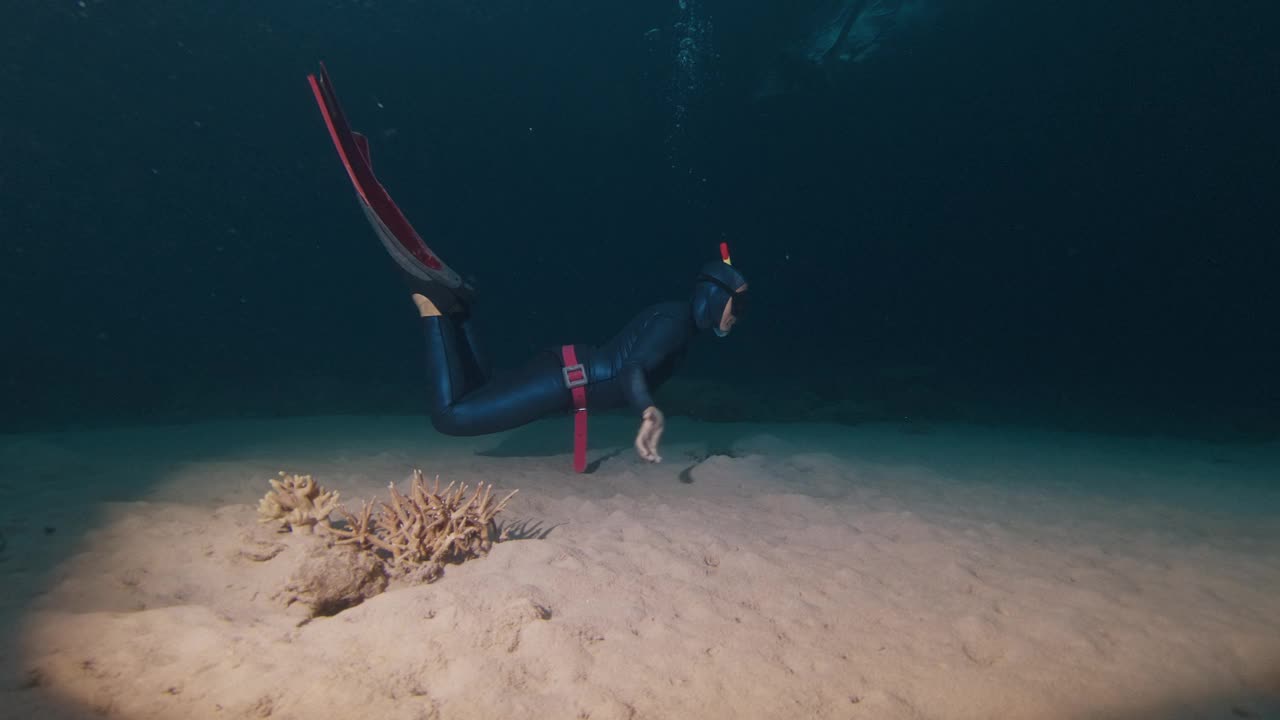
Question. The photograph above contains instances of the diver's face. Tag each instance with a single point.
(727, 318)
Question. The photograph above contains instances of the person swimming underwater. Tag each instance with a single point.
(466, 398)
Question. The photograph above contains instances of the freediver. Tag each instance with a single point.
(465, 397)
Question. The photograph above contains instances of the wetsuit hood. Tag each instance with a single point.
(711, 292)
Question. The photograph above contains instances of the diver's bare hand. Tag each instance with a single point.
(651, 428)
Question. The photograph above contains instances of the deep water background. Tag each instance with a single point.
(1053, 213)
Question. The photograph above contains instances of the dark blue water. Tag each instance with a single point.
(1051, 213)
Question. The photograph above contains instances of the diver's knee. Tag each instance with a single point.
(448, 422)
(444, 424)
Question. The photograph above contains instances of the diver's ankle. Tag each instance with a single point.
(426, 308)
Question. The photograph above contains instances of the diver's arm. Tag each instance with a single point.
(635, 387)
(652, 422)
(660, 338)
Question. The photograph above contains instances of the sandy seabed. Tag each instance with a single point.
(786, 571)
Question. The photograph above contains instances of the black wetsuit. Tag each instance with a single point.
(467, 400)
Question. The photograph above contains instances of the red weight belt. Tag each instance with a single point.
(575, 378)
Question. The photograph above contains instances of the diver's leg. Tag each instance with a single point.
(479, 362)
(462, 402)
(507, 401)
(465, 358)
(446, 371)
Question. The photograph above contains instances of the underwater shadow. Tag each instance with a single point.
(549, 438)
(595, 464)
(527, 529)
(1227, 704)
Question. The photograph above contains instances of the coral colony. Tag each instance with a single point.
(412, 537)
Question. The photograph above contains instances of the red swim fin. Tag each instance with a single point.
(362, 143)
(399, 238)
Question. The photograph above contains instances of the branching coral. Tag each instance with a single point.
(416, 534)
(413, 536)
(297, 502)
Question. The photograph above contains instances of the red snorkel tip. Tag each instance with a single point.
(724, 253)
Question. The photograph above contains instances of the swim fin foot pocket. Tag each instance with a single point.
(424, 271)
